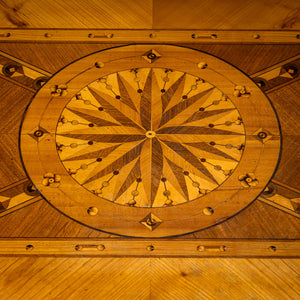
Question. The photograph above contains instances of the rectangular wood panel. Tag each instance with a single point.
(230, 14)
(148, 278)
(150, 247)
(76, 14)
(194, 36)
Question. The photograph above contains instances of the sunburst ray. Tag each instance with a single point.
(118, 163)
(190, 158)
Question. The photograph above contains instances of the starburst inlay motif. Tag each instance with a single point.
(150, 137)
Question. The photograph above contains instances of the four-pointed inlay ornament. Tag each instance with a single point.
(262, 135)
(151, 221)
(151, 56)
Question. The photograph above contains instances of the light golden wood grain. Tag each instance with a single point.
(148, 278)
(149, 247)
(76, 14)
(150, 36)
(42, 220)
(230, 14)
(209, 14)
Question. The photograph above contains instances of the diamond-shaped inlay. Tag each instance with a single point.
(262, 135)
(151, 221)
(151, 56)
(38, 133)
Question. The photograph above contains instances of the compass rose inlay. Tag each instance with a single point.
(150, 137)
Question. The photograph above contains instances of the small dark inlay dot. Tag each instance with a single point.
(261, 83)
(203, 159)
(29, 247)
(212, 143)
(201, 109)
(292, 70)
(138, 179)
(184, 97)
(90, 142)
(116, 172)
(99, 159)
(38, 133)
(262, 135)
(151, 55)
(100, 108)
(211, 125)
(139, 91)
(118, 97)
(91, 125)
(163, 90)
(186, 173)
(164, 179)
(30, 188)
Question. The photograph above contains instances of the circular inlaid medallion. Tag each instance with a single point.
(150, 141)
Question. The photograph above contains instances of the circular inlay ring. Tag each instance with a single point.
(171, 144)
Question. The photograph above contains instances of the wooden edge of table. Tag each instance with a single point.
(114, 247)
(153, 36)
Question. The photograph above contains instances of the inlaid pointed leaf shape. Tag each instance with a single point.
(124, 95)
(93, 120)
(118, 163)
(116, 113)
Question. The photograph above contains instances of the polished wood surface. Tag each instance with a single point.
(76, 14)
(56, 53)
(36, 220)
(149, 36)
(153, 248)
(148, 278)
(286, 103)
(180, 132)
(249, 58)
(130, 14)
(230, 14)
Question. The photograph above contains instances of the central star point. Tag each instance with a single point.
(150, 134)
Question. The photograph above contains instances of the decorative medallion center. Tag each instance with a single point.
(150, 137)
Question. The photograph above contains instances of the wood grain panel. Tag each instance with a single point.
(251, 58)
(194, 36)
(14, 99)
(287, 105)
(11, 169)
(248, 58)
(232, 14)
(259, 220)
(148, 278)
(52, 57)
(76, 14)
(149, 248)
(224, 279)
(42, 220)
